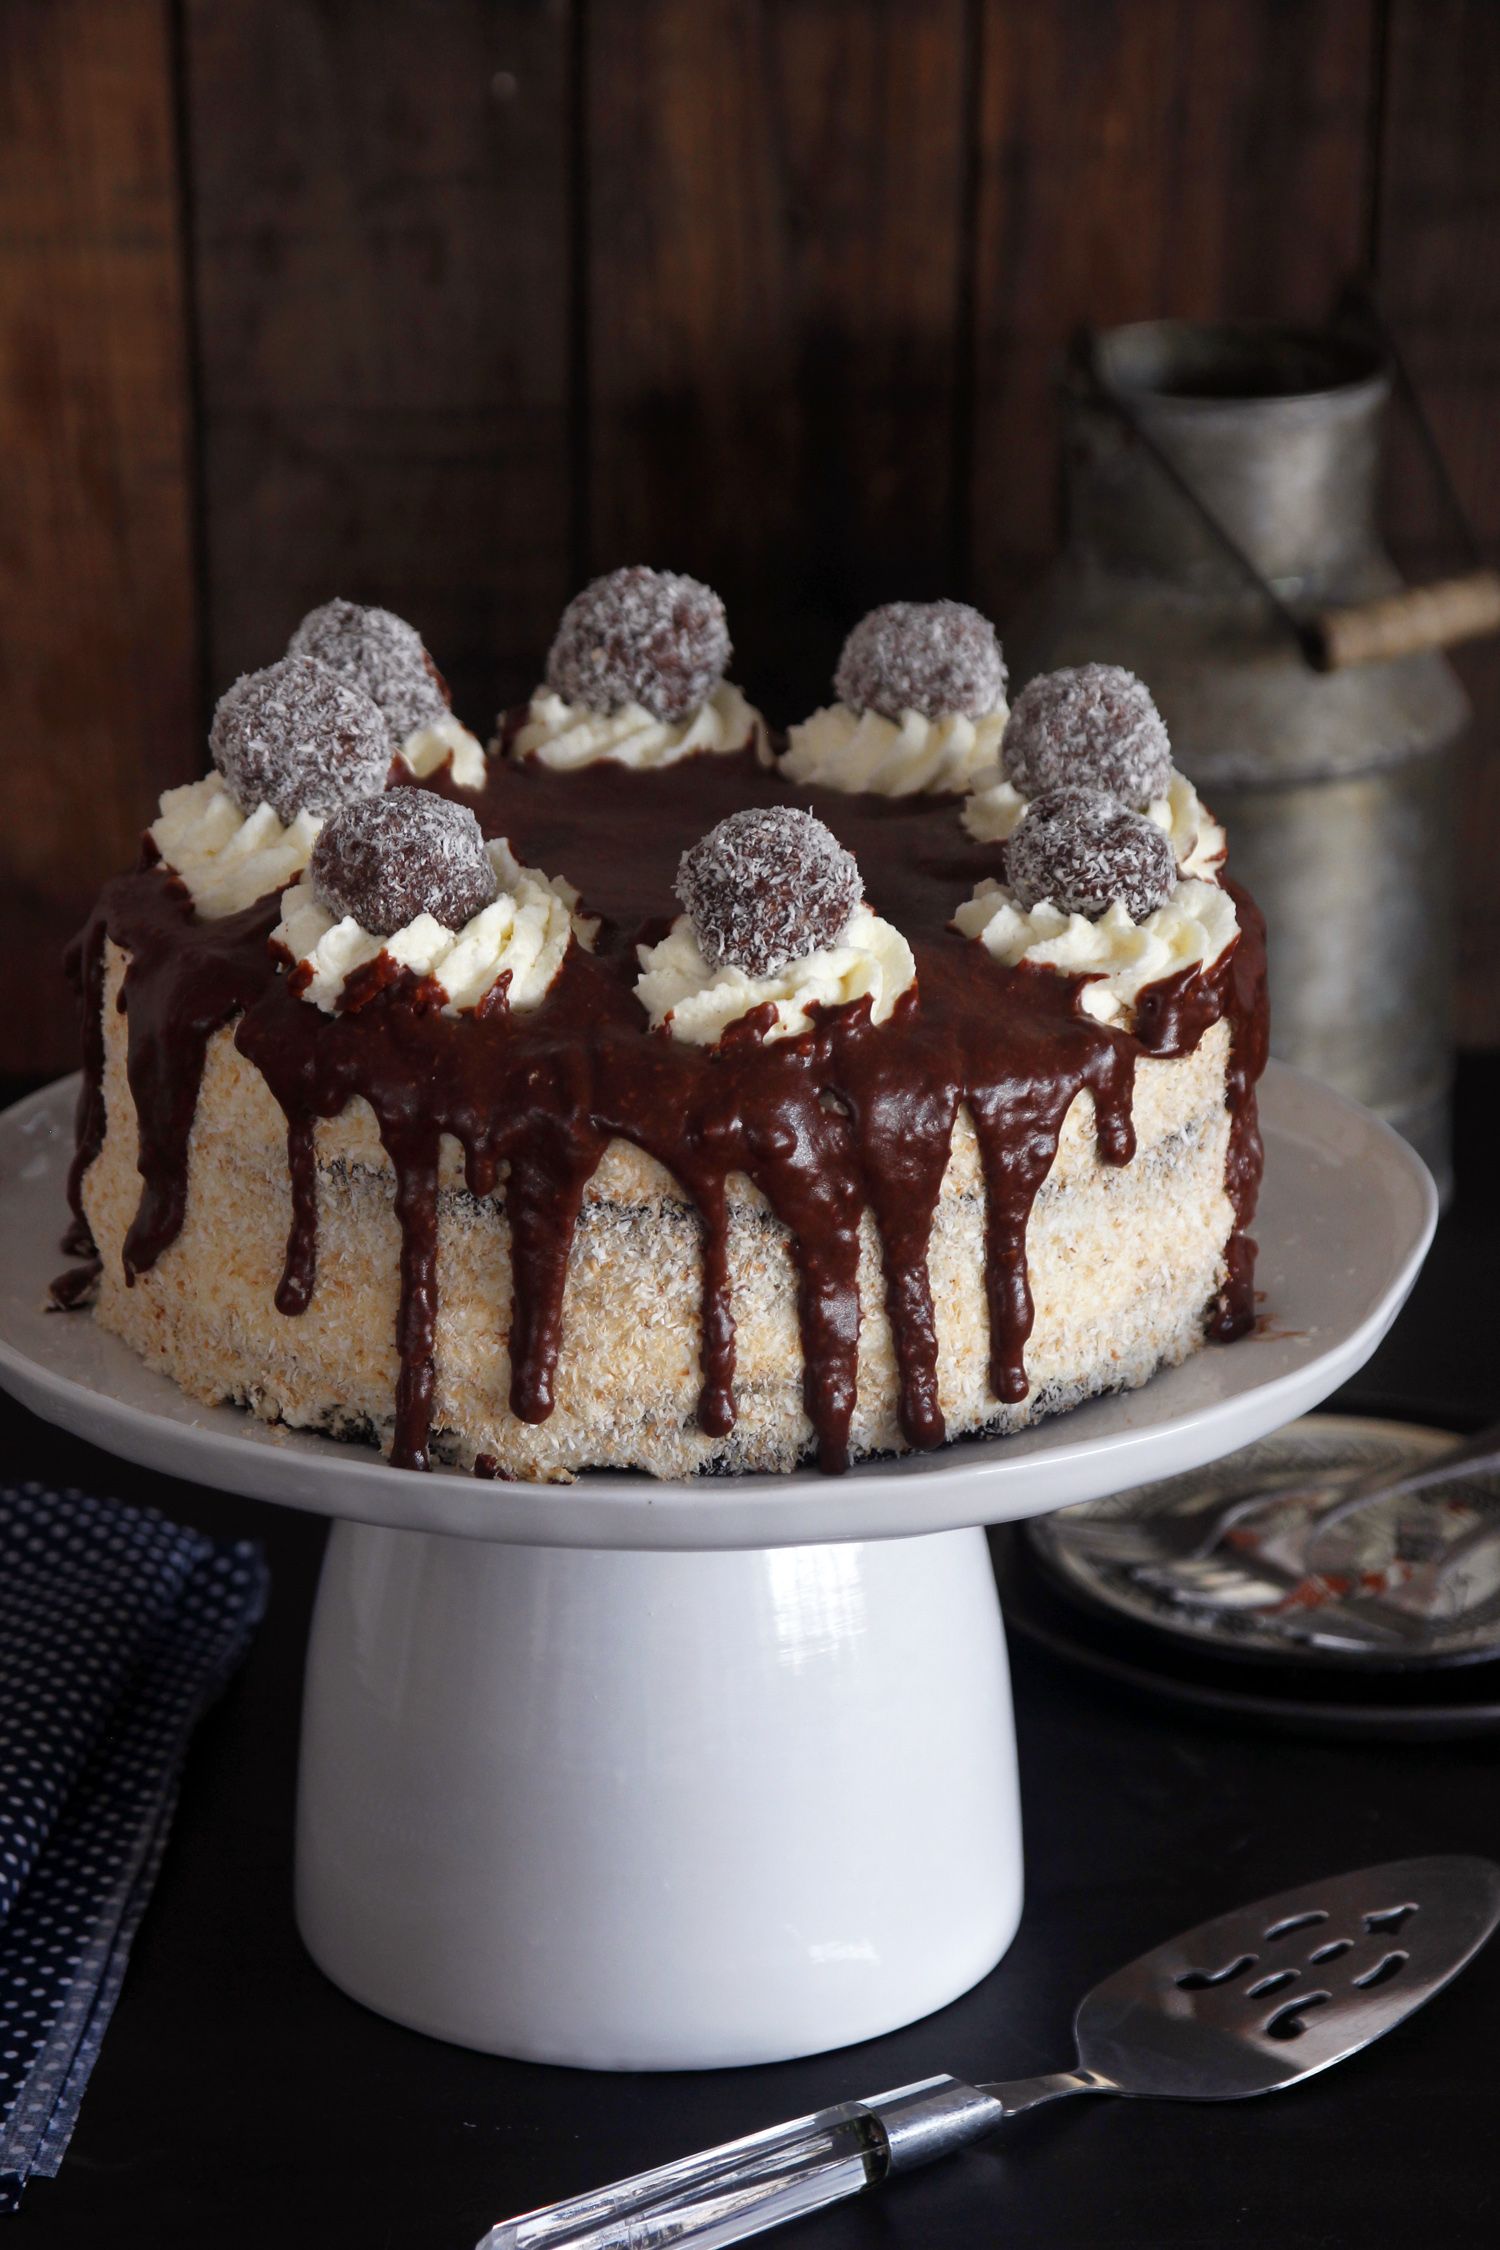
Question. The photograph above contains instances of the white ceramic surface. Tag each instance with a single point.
(1346, 1216)
(657, 1811)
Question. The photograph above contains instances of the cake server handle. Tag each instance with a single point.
(724, 2194)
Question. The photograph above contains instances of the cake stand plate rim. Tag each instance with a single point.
(1348, 1212)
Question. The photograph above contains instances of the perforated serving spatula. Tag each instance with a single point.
(1248, 2004)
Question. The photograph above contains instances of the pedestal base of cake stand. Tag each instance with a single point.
(657, 1811)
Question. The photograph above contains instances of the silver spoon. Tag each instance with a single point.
(1252, 2002)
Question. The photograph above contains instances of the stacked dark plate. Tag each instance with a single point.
(1075, 1584)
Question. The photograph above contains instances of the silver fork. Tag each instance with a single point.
(1401, 1616)
(1177, 1535)
(1189, 1535)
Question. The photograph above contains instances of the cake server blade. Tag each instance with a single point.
(1247, 2004)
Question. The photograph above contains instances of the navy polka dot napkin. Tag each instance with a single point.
(117, 1628)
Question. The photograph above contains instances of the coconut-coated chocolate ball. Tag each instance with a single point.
(1092, 726)
(939, 658)
(299, 739)
(641, 636)
(378, 651)
(388, 859)
(1082, 850)
(766, 887)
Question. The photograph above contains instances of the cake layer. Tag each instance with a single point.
(1124, 1263)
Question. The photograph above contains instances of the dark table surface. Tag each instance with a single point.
(241, 2100)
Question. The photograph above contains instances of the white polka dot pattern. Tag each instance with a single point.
(116, 1629)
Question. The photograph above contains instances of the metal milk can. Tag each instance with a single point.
(1220, 491)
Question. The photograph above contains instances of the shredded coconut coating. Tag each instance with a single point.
(1121, 1262)
(299, 739)
(1092, 726)
(767, 887)
(388, 859)
(938, 658)
(378, 651)
(650, 637)
(1082, 850)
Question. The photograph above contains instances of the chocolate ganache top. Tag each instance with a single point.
(847, 1116)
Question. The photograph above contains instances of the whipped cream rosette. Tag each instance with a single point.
(921, 705)
(407, 881)
(635, 676)
(1092, 890)
(228, 859)
(775, 918)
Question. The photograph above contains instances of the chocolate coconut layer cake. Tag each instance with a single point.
(645, 1094)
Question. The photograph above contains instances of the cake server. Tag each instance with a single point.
(1247, 2004)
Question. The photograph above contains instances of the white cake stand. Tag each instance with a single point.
(659, 1776)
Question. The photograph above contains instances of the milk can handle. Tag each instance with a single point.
(1401, 624)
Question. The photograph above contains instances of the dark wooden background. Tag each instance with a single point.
(448, 303)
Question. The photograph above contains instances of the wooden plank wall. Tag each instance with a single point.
(447, 303)
(1437, 249)
(99, 614)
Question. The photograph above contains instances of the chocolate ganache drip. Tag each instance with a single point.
(849, 1116)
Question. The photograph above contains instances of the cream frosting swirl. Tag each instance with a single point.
(697, 1003)
(523, 935)
(996, 806)
(441, 740)
(1195, 926)
(226, 858)
(840, 748)
(566, 735)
